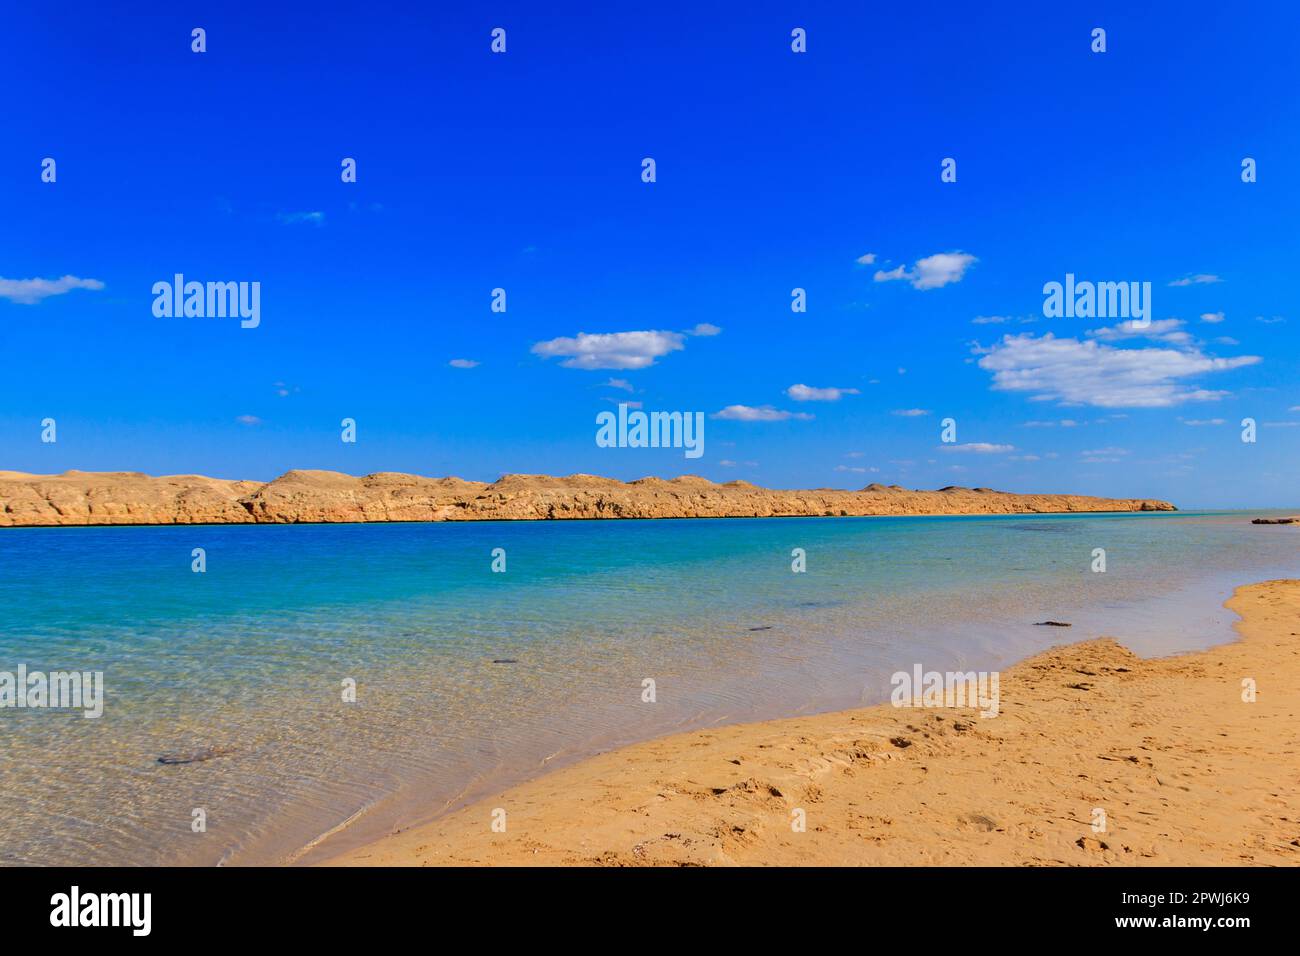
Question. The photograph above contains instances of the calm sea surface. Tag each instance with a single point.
(248, 660)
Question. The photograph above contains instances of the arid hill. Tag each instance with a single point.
(128, 497)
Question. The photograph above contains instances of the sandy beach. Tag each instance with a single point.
(1185, 771)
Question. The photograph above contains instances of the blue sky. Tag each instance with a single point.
(775, 170)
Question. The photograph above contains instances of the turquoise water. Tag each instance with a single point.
(247, 660)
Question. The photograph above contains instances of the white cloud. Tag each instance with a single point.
(910, 412)
(248, 420)
(622, 383)
(292, 218)
(990, 319)
(31, 291)
(611, 349)
(979, 448)
(1200, 278)
(1212, 317)
(807, 393)
(869, 259)
(1103, 455)
(704, 329)
(932, 272)
(1091, 373)
(1163, 330)
(761, 413)
(1226, 340)
(463, 363)
(1097, 456)
(1202, 421)
(1273, 321)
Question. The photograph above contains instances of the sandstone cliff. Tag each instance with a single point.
(127, 498)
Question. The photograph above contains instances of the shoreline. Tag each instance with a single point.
(1189, 775)
(497, 520)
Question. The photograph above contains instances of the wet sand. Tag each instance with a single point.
(1184, 770)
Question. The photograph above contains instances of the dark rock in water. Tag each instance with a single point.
(1050, 624)
(763, 627)
(505, 660)
(1275, 520)
(197, 756)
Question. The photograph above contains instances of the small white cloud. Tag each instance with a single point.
(705, 329)
(1212, 317)
(979, 448)
(1163, 330)
(463, 363)
(761, 413)
(869, 259)
(248, 420)
(1226, 340)
(1200, 278)
(807, 393)
(1269, 321)
(629, 350)
(990, 319)
(910, 412)
(293, 218)
(622, 383)
(31, 291)
(1202, 421)
(932, 272)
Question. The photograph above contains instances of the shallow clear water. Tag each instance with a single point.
(249, 657)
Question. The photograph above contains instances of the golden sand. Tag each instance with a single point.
(1184, 770)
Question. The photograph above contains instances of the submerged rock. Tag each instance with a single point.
(197, 756)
